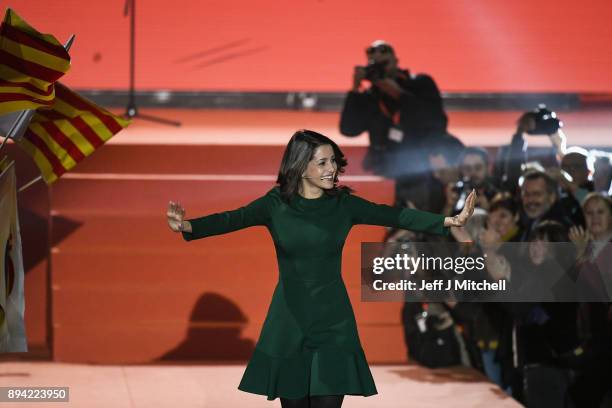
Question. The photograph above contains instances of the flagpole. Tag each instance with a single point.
(6, 138)
(8, 166)
(69, 42)
(18, 127)
(29, 183)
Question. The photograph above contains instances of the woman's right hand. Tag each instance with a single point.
(175, 216)
(580, 237)
(462, 218)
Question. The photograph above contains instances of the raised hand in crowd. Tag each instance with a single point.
(497, 265)
(526, 123)
(580, 237)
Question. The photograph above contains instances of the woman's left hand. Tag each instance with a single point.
(461, 219)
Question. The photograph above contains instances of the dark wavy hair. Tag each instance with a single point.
(504, 200)
(550, 231)
(299, 151)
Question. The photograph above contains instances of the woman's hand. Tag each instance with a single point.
(580, 237)
(176, 216)
(460, 219)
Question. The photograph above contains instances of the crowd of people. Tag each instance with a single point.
(546, 353)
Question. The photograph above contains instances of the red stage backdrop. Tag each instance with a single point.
(239, 45)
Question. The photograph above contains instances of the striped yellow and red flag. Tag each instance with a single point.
(61, 137)
(30, 63)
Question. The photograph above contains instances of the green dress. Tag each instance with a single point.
(309, 343)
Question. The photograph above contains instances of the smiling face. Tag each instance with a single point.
(536, 198)
(502, 220)
(597, 216)
(321, 170)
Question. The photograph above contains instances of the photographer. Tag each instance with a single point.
(400, 111)
(473, 173)
(511, 159)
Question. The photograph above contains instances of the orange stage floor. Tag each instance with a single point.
(205, 386)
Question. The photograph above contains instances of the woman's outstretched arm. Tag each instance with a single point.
(366, 212)
(255, 213)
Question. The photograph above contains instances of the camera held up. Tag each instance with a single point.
(546, 121)
(375, 70)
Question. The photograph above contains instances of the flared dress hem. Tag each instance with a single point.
(323, 371)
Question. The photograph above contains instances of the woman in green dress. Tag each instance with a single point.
(308, 353)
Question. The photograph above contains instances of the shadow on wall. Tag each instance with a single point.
(34, 235)
(214, 333)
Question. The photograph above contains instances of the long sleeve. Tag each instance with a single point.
(421, 106)
(366, 212)
(255, 213)
(355, 115)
